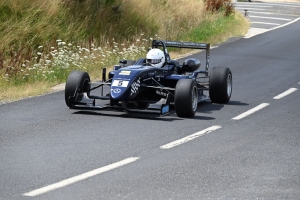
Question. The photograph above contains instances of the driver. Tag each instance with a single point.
(156, 58)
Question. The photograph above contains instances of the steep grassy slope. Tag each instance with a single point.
(42, 41)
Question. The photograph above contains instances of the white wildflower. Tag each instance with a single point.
(86, 49)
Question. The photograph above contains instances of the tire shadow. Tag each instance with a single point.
(208, 107)
(205, 107)
(167, 118)
(237, 103)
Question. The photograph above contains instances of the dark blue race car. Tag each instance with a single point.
(142, 88)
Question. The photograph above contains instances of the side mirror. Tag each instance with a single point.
(124, 62)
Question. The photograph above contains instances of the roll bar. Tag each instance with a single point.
(187, 45)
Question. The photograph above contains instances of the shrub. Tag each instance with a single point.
(25, 26)
(225, 6)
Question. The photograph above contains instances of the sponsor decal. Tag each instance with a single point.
(165, 109)
(124, 72)
(135, 86)
(120, 83)
(162, 93)
(116, 90)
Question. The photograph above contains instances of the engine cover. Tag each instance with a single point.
(191, 64)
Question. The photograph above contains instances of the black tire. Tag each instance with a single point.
(76, 79)
(220, 85)
(186, 98)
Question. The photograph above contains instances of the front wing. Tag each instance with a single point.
(83, 101)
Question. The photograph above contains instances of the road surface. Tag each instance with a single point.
(246, 149)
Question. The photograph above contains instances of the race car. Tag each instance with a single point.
(145, 87)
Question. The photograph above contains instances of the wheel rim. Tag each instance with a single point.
(229, 85)
(194, 98)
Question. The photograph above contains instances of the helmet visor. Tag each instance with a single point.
(153, 61)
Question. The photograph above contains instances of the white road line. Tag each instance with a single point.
(272, 13)
(250, 6)
(263, 13)
(284, 19)
(283, 25)
(242, 8)
(190, 137)
(255, 31)
(80, 177)
(289, 91)
(265, 23)
(249, 112)
(294, 5)
(251, 34)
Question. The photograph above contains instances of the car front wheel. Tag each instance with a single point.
(76, 80)
(186, 98)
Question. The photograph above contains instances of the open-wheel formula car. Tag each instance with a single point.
(144, 87)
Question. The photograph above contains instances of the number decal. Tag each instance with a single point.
(120, 83)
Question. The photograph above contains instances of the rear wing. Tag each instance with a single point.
(187, 45)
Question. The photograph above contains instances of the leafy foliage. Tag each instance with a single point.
(225, 6)
(32, 32)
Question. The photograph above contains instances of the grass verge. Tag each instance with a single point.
(38, 54)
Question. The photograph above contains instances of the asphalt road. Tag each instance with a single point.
(225, 152)
(266, 16)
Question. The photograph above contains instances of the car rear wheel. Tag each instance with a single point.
(76, 79)
(186, 98)
(220, 85)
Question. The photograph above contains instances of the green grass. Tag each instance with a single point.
(42, 41)
(217, 28)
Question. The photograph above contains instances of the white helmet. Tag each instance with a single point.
(155, 57)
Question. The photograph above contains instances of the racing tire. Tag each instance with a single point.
(186, 98)
(220, 85)
(76, 79)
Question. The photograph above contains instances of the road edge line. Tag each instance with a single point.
(81, 177)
